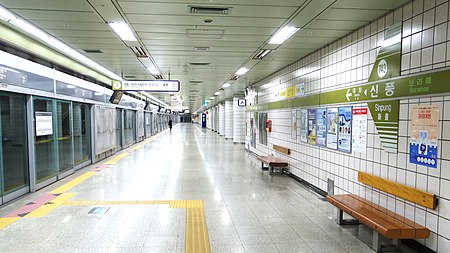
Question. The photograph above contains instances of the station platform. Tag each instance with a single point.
(188, 190)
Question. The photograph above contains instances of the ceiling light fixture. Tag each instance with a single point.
(217, 93)
(284, 34)
(212, 98)
(241, 71)
(262, 53)
(226, 85)
(123, 30)
(70, 86)
(153, 70)
(6, 15)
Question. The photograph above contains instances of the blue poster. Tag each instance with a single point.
(345, 129)
(332, 128)
(321, 133)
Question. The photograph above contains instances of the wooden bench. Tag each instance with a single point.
(272, 162)
(383, 221)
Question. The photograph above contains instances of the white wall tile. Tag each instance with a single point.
(444, 243)
(427, 37)
(439, 52)
(415, 59)
(441, 13)
(427, 56)
(444, 229)
(428, 19)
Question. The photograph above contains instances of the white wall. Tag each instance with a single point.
(229, 119)
(238, 122)
(221, 120)
(348, 61)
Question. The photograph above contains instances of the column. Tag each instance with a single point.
(229, 119)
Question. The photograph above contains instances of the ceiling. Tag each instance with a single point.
(177, 41)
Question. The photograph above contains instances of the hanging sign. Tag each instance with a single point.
(44, 123)
(359, 130)
(332, 128)
(312, 126)
(147, 85)
(424, 135)
(242, 102)
(321, 130)
(345, 129)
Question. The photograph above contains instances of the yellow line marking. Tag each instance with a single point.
(117, 158)
(73, 183)
(136, 147)
(50, 206)
(186, 204)
(4, 222)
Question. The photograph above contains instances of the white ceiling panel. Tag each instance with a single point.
(231, 40)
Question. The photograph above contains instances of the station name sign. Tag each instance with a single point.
(147, 85)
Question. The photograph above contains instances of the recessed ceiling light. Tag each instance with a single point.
(226, 85)
(153, 70)
(69, 86)
(283, 34)
(217, 93)
(241, 71)
(123, 30)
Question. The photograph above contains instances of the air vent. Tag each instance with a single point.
(139, 52)
(199, 63)
(234, 78)
(158, 77)
(193, 90)
(196, 81)
(261, 54)
(130, 77)
(201, 49)
(212, 34)
(92, 51)
(209, 10)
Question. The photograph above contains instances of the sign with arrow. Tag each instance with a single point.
(242, 102)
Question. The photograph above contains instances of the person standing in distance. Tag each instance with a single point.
(170, 125)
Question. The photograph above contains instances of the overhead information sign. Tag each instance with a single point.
(149, 85)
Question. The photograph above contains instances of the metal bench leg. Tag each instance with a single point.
(270, 170)
(376, 241)
(340, 219)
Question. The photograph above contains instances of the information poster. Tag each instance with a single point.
(424, 135)
(294, 125)
(345, 129)
(312, 126)
(359, 129)
(44, 123)
(304, 125)
(332, 128)
(321, 133)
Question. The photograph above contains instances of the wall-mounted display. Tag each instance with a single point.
(294, 125)
(424, 135)
(321, 130)
(304, 125)
(359, 129)
(345, 129)
(312, 126)
(332, 128)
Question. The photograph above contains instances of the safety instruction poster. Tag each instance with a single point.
(321, 131)
(312, 126)
(304, 125)
(345, 129)
(44, 123)
(332, 128)
(294, 125)
(359, 129)
(424, 135)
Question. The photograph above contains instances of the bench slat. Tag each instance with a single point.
(414, 195)
(377, 218)
(273, 161)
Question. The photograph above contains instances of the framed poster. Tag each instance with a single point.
(312, 126)
(44, 123)
(294, 125)
(345, 129)
(303, 125)
(332, 128)
(359, 130)
(424, 135)
(321, 130)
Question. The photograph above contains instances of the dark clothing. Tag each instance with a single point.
(170, 124)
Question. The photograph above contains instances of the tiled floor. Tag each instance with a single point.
(246, 210)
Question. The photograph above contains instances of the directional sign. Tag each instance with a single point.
(149, 85)
(242, 102)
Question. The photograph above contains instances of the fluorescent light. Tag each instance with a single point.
(31, 29)
(6, 14)
(283, 34)
(226, 85)
(70, 86)
(99, 93)
(217, 93)
(123, 30)
(241, 71)
(391, 41)
(212, 98)
(153, 70)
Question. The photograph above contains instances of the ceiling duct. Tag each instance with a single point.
(209, 10)
(139, 52)
(201, 49)
(130, 77)
(196, 81)
(199, 63)
(92, 51)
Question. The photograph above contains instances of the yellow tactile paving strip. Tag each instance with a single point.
(50, 206)
(117, 158)
(73, 183)
(186, 204)
(4, 222)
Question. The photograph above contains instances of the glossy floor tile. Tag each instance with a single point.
(188, 190)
